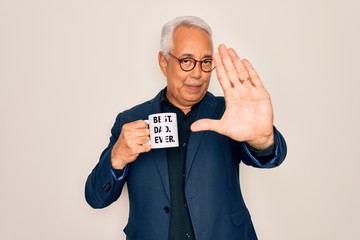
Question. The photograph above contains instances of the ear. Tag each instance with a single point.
(162, 63)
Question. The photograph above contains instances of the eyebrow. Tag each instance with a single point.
(192, 56)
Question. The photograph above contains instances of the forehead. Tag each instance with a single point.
(190, 40)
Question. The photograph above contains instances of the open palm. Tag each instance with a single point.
(248, 115)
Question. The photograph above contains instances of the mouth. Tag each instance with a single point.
(193, 88)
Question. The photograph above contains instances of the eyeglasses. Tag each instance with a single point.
(187, 64)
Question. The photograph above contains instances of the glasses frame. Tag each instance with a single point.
(196, 61)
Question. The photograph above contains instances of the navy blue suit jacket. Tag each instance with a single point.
(212, 186)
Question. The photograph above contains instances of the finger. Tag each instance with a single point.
(205, 125)
(135, 133)
(255, 79)
(136, 146)
(221, 73)
(135, 129)
(143, 140)
(241, 70)
(231, 71)
(139, 124)
(134, 152)
(144, 148)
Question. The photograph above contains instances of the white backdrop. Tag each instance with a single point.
(68, 67)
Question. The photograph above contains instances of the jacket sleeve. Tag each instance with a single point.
(280, 150)
(101, 187)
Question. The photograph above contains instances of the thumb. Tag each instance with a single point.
(204, 125)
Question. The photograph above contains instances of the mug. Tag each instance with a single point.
(163, 130)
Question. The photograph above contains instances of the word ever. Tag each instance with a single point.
(166, 139)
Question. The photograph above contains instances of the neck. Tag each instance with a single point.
(185, 109)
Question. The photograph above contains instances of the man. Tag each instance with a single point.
(191, 191)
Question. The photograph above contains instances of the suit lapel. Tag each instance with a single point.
(161, 162)
(206, 110)
(159, 154)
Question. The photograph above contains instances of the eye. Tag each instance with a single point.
(187, 61)
(207, 62)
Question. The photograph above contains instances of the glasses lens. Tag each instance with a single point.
(187, 64)
(207, 65)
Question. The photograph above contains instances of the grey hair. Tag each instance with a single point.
(169, 28)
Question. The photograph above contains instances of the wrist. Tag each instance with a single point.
(116, 162)
(118, 166)
(262, 143)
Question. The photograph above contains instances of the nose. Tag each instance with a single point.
(197, 71)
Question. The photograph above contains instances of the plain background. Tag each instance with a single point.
(67, 68)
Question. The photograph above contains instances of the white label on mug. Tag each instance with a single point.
(163, 130)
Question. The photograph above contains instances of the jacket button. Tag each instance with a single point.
(107, 187)
(166, 209)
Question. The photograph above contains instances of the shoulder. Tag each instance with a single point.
(214, 101)
(212, 98)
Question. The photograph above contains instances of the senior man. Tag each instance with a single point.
(191, 191)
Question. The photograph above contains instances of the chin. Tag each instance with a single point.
(194, 98)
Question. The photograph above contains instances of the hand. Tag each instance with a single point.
(248, 115)
(132, 141)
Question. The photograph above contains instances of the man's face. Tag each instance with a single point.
(184, 89)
